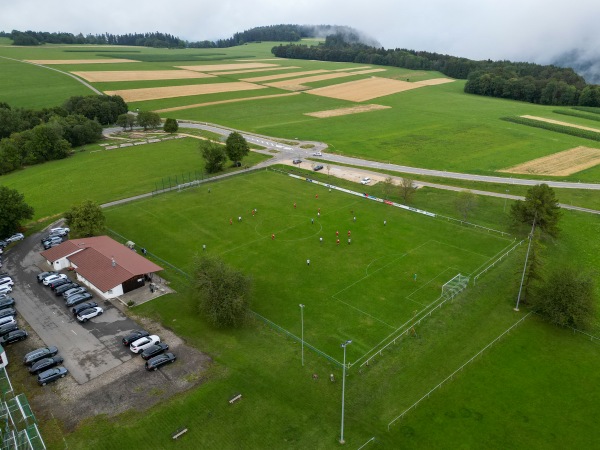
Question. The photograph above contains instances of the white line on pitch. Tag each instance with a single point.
(74, 333)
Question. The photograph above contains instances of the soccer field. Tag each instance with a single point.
(365, 289)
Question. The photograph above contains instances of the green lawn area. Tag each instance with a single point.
(107, 175)
(371, 296)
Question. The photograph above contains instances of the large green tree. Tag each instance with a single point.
(567, 298)
(86, 219)
(236, 147)
(539, 209)
(222, 292)
(148, 119)
(127, 121)
(214, 156)
(13, 210)
(465, 203)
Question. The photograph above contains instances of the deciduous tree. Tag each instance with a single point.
(236, 146)
(222, 292)
(466, 202)
(407, 189)
(13, 210)
(127, 121)
(214, 156)
(86, 219)
(171, 126)
(567, 298)
(148, 119)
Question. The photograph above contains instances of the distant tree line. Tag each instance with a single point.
(534, 83)
(30, 137)
(154, 39)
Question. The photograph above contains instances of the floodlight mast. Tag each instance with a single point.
(344, 345)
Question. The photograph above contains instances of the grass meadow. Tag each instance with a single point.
(106, 175)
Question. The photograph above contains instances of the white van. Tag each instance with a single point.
(365, 180)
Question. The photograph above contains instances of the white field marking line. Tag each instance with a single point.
(430, 281)
(362, 312)
(495, 257)
(461, 249)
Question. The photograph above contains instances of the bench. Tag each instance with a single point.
(235, 398)
(179, 433)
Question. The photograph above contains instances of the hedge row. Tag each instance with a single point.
(595, 136)
(589, 109)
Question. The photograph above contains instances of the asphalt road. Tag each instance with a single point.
(89, 349)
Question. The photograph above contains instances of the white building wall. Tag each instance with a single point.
(111, 293)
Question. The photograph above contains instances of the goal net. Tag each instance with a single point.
(455, 286)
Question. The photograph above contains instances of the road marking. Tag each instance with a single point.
(74, 333)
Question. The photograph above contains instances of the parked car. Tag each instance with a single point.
(13, 336)
(318, 167)
(7, 312)
(64, 288)
(143, 343)
(73, 291)
(45, 364)
(160, 360)
(3, 244)
(15, 237)
(51, 237)
(134, 336)
(49, 244)
(7, 319)
(154, 350)
(7, 280)
(51, 375)
(83, 306)
(53, 278)
(37, 354)
(365, 180)
(317, 154)
(40, 276)
(60, 230)
(8, 327)
(297, 161)
(77, 299)
(6, 302)
(89, 313)
(5, 289)
(58, 283)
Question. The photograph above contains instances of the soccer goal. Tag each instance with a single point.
(455, 286)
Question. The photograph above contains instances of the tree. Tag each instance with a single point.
(13, 210)
(171, 126)
(148, 119)
(407, 189)
(567, 298)
(236, 146)
(540, 206)
(388, 186)
(222, 292)
(126, 120)
(214, 156)
(466, 202)
(86, 219)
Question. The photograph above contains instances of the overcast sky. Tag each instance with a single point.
(519, 30)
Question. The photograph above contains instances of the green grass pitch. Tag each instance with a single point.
(363, 290)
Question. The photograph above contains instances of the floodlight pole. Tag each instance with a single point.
(302, 324)
(516, 308)
(344, 345)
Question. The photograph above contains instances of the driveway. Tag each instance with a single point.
(89, 349)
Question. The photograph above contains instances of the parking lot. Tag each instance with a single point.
(100, 367)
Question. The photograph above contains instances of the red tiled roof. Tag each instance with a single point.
(95, 260)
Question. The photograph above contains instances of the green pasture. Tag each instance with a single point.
(368, 297)
(107, 175)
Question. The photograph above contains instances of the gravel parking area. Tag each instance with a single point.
(105, 377)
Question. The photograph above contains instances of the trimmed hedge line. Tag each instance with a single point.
(589, 109)
(594, 136)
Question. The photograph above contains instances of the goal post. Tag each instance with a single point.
(456, 285)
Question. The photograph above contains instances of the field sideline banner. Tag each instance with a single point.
(364, 195)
